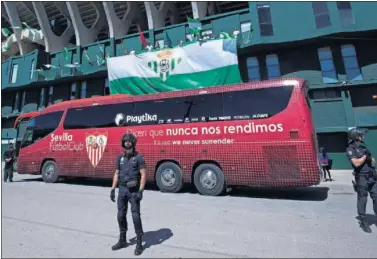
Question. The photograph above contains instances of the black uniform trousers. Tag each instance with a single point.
(366, 183)
(8, 172)
(126, 195)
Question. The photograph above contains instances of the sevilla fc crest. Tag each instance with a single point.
(95, 146)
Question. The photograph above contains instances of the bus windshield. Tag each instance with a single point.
(21, 129)
(40, 126)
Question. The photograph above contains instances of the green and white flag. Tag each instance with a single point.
(194, 25)
(224, 35)
(192, 66)
(65, 54)
(85, 53)
(5, 32)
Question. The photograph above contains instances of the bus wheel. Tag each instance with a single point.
(209, 180)
(169, 177)
(50, 172)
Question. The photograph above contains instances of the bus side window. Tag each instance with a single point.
(100, 116)
(206, 105)
(167, 110)
(257, 103)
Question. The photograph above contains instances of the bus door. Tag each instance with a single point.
(21, 129)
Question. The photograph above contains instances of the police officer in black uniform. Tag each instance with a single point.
(9, 159)
(365, 173)
(131, 176)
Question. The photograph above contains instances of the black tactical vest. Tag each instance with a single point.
(129, 168)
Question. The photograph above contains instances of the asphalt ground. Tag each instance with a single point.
(77, 219)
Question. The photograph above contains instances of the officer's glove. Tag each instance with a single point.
(369, 156)
(139, 195)
(369, 159)
(112, 195)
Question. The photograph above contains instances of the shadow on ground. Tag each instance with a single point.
(84, 181)
(302, 194)
(152, 238)
(314, 193)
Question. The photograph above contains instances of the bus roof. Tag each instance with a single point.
(87, 101)
(119, 98)
(25, 115)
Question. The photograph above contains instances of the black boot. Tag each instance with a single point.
(139, 247)
(122, 243)
(364, 225)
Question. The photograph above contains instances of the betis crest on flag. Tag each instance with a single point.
(194, 65)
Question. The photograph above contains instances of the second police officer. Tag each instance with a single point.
(131, 175)
(365, 173)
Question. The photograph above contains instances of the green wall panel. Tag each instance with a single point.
(245, 17)
(109, 49)
(120, 47)
(347, 103)
(294, 21)
(5, 68)
(159, 35)
(366, 116)
(364, 13)
(329, 114)
(20, 75)
(24, 70)
(8, 133)
(293, 65)
(226, 24)
(133, 43)
(29, 74)
(340, 161)
(176, 34)
(129, 43)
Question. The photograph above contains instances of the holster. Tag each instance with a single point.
(354, 186)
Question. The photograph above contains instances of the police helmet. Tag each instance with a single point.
(355, 133)
(131, 138)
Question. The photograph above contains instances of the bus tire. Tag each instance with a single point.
(50, 172)
(209, 180)
(169, 177)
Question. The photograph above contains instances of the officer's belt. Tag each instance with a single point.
(129, 184)
(370, 173)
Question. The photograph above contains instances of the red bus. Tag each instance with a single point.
(252, 134)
